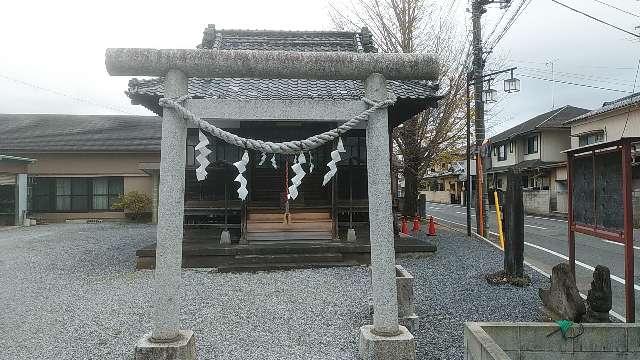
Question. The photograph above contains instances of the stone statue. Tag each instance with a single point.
(599, 297)
(562, 301)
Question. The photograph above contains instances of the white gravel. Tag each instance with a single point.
(70, 291)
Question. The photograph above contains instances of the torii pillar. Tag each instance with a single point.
(385, 339)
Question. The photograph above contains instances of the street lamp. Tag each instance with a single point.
(512, 84)
(489, 94)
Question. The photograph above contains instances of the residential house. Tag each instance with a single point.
(535, 148)
(614, 120)
(75, 166)
(445, 183)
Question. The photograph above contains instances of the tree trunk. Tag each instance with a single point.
(410, 207)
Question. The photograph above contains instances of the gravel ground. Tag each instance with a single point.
(69, 291)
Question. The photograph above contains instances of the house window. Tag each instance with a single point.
(532, 144)
(75, 194)
(499, 183)
(502, 152)
(72, 194)
(588, 139)
(106, 192)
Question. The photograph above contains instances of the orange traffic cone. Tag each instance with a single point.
(404, 228)
(416, 224)
(432, 227)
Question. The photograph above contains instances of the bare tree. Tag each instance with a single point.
(419, 26)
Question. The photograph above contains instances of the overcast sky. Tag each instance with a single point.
(52, 57)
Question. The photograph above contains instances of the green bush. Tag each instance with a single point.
(136, 205)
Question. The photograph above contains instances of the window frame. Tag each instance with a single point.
(535, 144)
(46, 188)
(502, 152)
(597, 136)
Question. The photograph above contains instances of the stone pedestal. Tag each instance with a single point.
(184, 348)
(375, 347)
(351, 235)
(225, 237)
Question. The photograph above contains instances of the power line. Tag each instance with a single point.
(59, 93)
(596, 19)
(588, 77)
(518, 12)
(573, 83)
(617, 8)
(576, 65)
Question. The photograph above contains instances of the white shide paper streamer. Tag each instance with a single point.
(241, 165)
(203, 150)
(297, 179)
(335, 157)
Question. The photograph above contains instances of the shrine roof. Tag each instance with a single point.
(230, 39)
(413, 96)
(62, 133)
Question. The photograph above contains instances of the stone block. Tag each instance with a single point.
(184, 348)
(507, 337)
(513, 354)
(633, 339)
(601, 338)
(534, 338)
(375, 347)
(412, 322)
(563, 299)
(545, 355)
(605, 356)
(473, 347)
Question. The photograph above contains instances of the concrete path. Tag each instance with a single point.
(546, 245)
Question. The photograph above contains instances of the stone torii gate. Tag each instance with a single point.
(385, 339)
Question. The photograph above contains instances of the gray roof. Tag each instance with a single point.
(607, 106)
(553, 119)
(61, 133)
(417, 94)
(287, 40)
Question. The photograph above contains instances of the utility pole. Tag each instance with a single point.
(477, 9)
(482, 202)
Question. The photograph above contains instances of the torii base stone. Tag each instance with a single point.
(376, 347)
(183, 348)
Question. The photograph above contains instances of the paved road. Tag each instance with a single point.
(546, 245)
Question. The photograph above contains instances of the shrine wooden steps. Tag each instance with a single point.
(300, 226)
(283, 255)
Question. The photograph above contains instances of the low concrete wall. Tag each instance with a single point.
(442, 197)
(536, 201)
(519, 341)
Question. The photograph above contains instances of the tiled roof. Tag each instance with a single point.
(281, 89)
(287, 40)
(148, 91)
(59, 132)
(623, 102)
(549, 120)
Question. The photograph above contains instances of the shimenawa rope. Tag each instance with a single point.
(287, 147)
